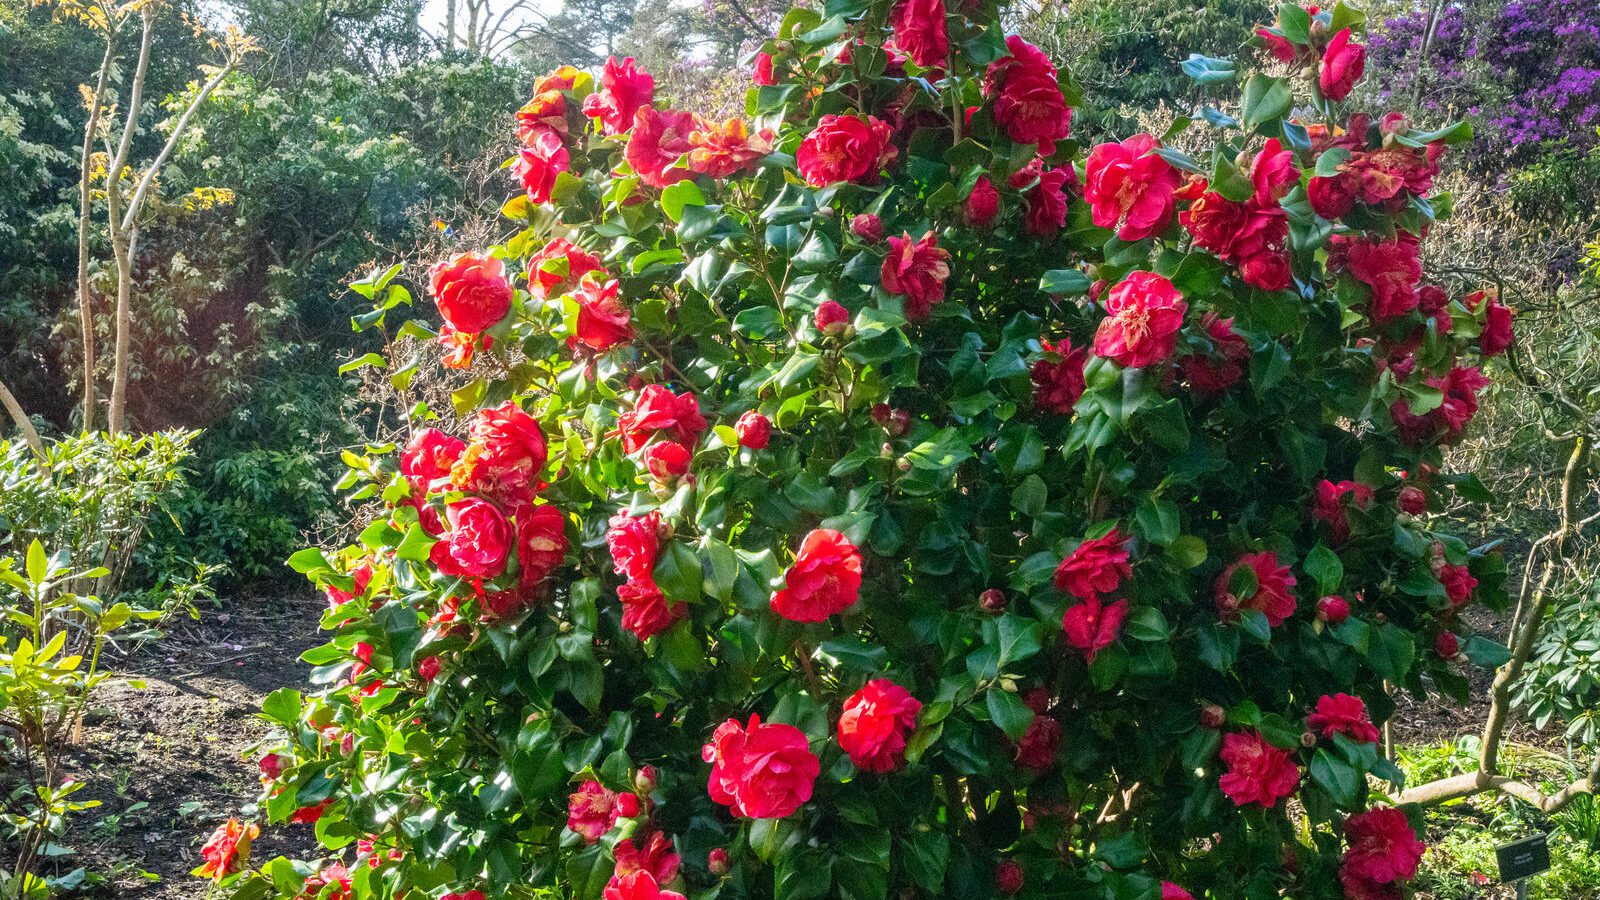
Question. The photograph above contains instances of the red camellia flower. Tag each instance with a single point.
(762, 74)
(919, 30)
(1461, 386)
(1058, 383)
(592, 810)
(1273, 595)
(541, 543)
(982, 205)
(1273, 173)
(722, 151)
(638, 886)
(666, 460)
(1040, 743)
(1170, 891)
(227, 850)
(1342, 714)
(1383, 847)
(272, 766)
(1412, 500)
(1210, 375)
(651, 853)
(1332, 197)
(603, 322)
(624, 90)
(558, 266)
(1145, 313)
(478, 542)
(646, 612)
(754, 430)
(308, 815)
(539, 163)
(1333, 610)
(1258, 772)
(1130, 188)
(1095, 567)
(1045, 205)
(1008, 878)
(505, 457)
(1496, 335)
(634, 542)
(867, 227)
(845, 148)
(1253, 236)
(361, 575)
(875, 723)
(918, 270)
(1458, 584)
(1342, 65)
(468, 895)
(1028, 102)
(831, 317)
(660, 138)
(471, 291)
(1392, 268)
(658, 410)
(1447, 645)
(1329, 508)
(1092, 626)
(760, 771)
(823, 580)
(429, 668)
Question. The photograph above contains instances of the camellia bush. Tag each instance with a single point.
(887, 495)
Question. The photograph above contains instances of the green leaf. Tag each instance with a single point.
(678, 572)
(1188, 551)
(1482, 651)
(1255, 624)
(1009, 713)
(675, 196)
(1207, 69)
(1324, 565)
(1148, 624)
(1029, 497)
(721, 569)
(307, 562)
(39, 564)
(282, 707)
(1390, 651)
(1157, 521)
(1067, 282)
(1340, 780)
(1266, 99)
(1294, 23)
(850, 653)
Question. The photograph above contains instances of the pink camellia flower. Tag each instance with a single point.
(1045, 205)
(1333, 610)
(1058, 384)
(1342, 714)
(875, 723)
(1458, 584)
(1095, 566)
(1008, 878)
(1170, 891)
(666, 460)
(627, 806)
(1332, 196)
(1383, 847)
(867, 227)
(1028, 103)
(637, 886)
(831, 317)
(592, 810)
(1273, 595)
(1342, 65)
(1040, 743)
(763, 74)
(845, 148)
(1092, 626)
(1145, 312)
(1447, 645)
(916, 269)
(428, 458)
(429, 668)
(652, 852)
(754, 430)
(982, 205)
(823, 580)
(660, 138)
(919, 31)
(760, 771)
(634, 542)
(1273, 173)
(646, 612)
(471, 291)
(624, 90)
(1496, 335)
(545, 111)
(657, 410)
(722, 151)
(541, 543)
(1130, 188)
(1329, 506)
(539, 163)
(478, 542)
(603, 321)
(1258, 773)
(272, 766)
(503, 461)
(558, 266)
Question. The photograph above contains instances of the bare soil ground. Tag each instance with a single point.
(172, 760)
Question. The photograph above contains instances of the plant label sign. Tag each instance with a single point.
(1523, 859)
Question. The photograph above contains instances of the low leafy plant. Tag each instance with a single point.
(889, 496)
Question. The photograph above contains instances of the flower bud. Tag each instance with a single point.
(645, 780)
(886, 451)
(429, 668)
(867, 227)
(1008, 878)
(993, 601)
(1308, 739)
(1447, 645)
(1380, 618)
(832, 318)
(1413, 500)
(880, 413)
(717, 862)
(628, 805)
(1333, 610)
(1212, 716)
(903, 464)
(754, 430)
(899, 423)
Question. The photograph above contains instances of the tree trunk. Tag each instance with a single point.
(450, 24)
(24, 424)
(120, 243)
(85, 308)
